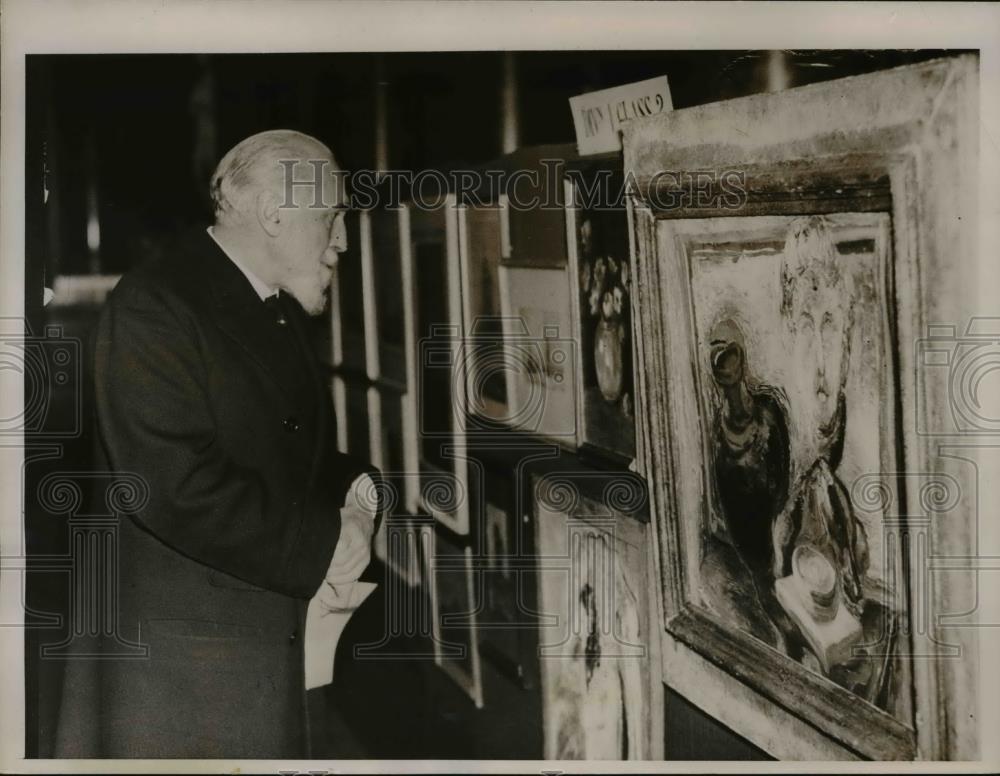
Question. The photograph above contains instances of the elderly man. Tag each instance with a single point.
(206, 387)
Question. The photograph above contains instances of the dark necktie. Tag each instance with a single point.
(278, 305)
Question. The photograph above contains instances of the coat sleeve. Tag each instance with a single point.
(154, 418)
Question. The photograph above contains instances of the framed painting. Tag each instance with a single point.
(454, 616)
(777, 332)
(541, 352)
(597, 237)
(436, 365)
(596, 649)
(481, 247)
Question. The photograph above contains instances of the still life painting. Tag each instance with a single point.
(600, 261)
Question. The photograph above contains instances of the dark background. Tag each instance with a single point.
(128, 142)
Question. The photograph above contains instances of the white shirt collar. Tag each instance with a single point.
(263, 289)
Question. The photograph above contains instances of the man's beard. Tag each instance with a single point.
(312, 300)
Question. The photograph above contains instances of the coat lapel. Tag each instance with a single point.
(240, 313)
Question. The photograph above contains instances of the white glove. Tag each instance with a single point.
(353, 552)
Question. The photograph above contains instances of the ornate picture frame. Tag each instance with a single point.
(805, 163)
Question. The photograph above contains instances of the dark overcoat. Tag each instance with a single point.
(221, 410)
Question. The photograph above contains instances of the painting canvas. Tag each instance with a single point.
(595, 645)
(481, 247)
(600, 262)
(541, 352)
(453, 610)
(796, 387)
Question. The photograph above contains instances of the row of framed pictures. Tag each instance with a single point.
(446, 334)
(436, 321)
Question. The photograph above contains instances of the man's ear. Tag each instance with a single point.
(268, 213)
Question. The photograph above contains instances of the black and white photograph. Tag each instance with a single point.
(488, 387)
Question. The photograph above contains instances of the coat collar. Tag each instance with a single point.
(238, 310)
(263, 289)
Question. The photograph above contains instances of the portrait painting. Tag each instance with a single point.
(778, 340)
(600, 262)
(594, 644)
(795, 374)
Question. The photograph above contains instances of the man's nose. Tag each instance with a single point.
(338, 239)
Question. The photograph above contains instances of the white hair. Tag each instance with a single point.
(253, 165)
